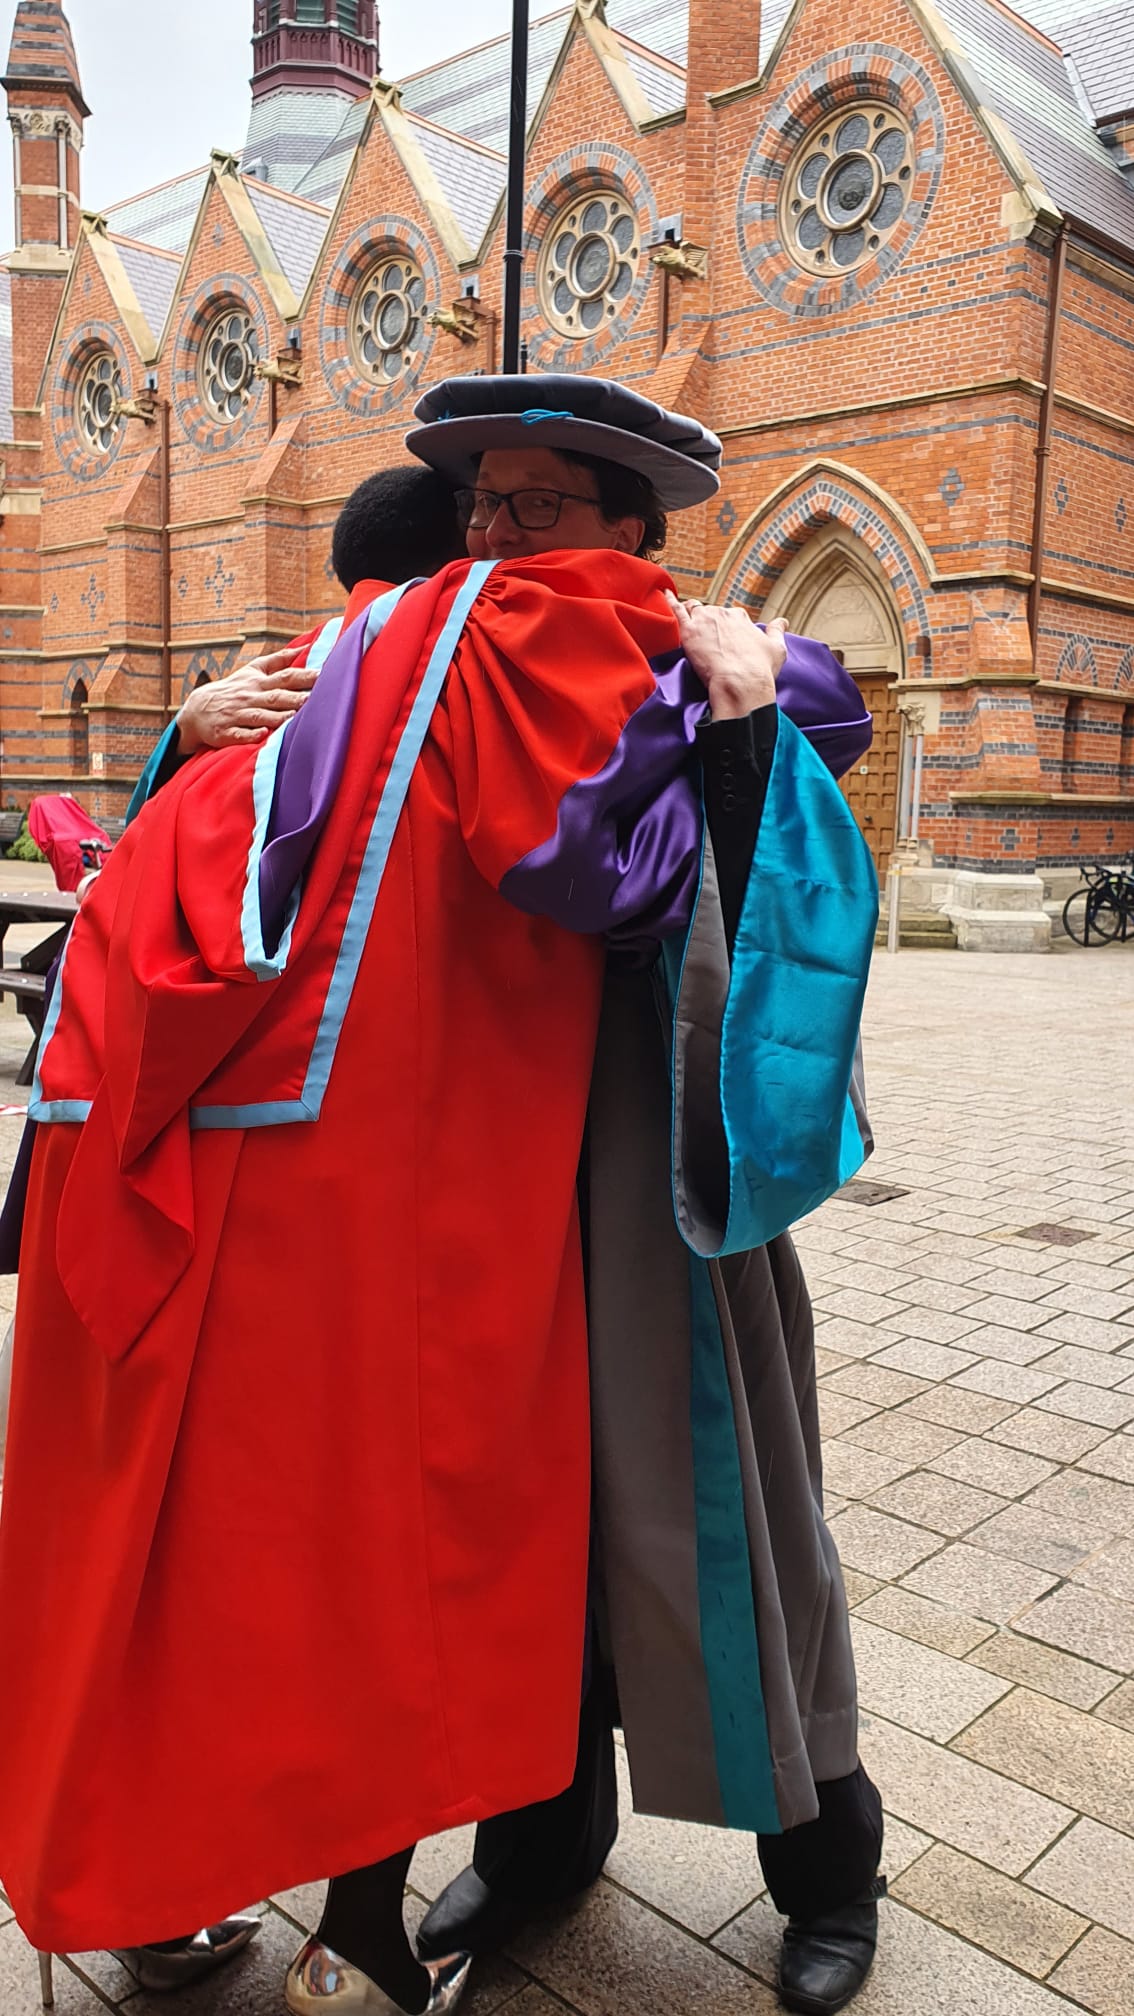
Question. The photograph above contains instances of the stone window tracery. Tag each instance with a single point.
(847, 188)
(230, 352)
(100, 387)
(386, 319)
(589, 263)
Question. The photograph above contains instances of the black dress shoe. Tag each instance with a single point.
(824, 1961)
(468, 1917)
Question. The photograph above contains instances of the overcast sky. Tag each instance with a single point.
(167, 80)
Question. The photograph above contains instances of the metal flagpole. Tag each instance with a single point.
(517, 144)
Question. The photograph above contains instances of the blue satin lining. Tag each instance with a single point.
(799, 971)
(143, 789)
(729, 1643)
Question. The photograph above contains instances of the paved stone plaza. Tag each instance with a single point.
(978, 1399)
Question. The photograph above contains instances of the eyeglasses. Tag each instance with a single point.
(531, 510)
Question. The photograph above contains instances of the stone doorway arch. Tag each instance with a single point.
(834, 590)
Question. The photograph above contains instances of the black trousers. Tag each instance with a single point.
(543, 1854)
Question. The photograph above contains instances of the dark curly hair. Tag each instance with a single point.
(398, 523)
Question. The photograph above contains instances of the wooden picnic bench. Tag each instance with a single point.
(27, 982)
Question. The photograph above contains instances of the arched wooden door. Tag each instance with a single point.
(832, 591)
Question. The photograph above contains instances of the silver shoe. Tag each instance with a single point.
(163, 1968)
(319, 1980)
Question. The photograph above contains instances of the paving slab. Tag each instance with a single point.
(1099, 1974)
(880, 1545)
(915, 1686)
(928, 1623)
(613, 1955)
(941, 1503)
(983, 1584)
(1026, 1533)
(1091, 1870)
(1006, 1918)
(972, 1808)
(1044, 1669)
(1072, 1617)
(1072, 1757)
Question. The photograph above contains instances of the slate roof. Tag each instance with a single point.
(658, 24)
(153, 276)
(1025, 79)
(6, 425)
(469, 92)
(326, 175)
(164, 216)
(290, 130)
(472, 177)
(295, 229)
(663, 83)
(1098, 35)
(42, 52)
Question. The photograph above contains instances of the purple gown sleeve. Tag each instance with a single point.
(625, 857)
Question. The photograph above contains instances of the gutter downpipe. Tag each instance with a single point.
(1043, 445)
(166, 569)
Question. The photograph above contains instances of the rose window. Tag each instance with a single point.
(589, 264)
(386, 324)
(847, 189)
(100, 388)
(229, 356)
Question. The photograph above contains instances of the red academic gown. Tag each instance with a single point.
(294, 1541)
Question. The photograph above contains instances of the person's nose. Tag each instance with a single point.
(502, 535)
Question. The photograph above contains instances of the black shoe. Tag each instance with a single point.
(824, 1961)
(468, 1917)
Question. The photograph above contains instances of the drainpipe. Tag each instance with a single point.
(166, 567)
(1046, 420)
(147, 407)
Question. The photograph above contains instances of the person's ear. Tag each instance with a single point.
(628, 534)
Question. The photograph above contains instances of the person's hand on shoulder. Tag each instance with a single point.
(246, 705)
(737, 662)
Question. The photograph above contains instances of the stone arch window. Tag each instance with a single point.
(1074, 731)
(79, 728)
(92, 376)
(847, 188)
(99, 390)
(840, 178)
(589, 262)
(226, 371)
(386, 318)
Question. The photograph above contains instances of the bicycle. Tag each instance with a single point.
(1103, 910)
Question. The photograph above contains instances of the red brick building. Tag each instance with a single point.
(895, 272)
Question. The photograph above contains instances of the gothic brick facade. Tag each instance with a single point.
(896, 273)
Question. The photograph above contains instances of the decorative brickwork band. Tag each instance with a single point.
(1077, 663)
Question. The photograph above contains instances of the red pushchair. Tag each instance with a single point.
(72, 842)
